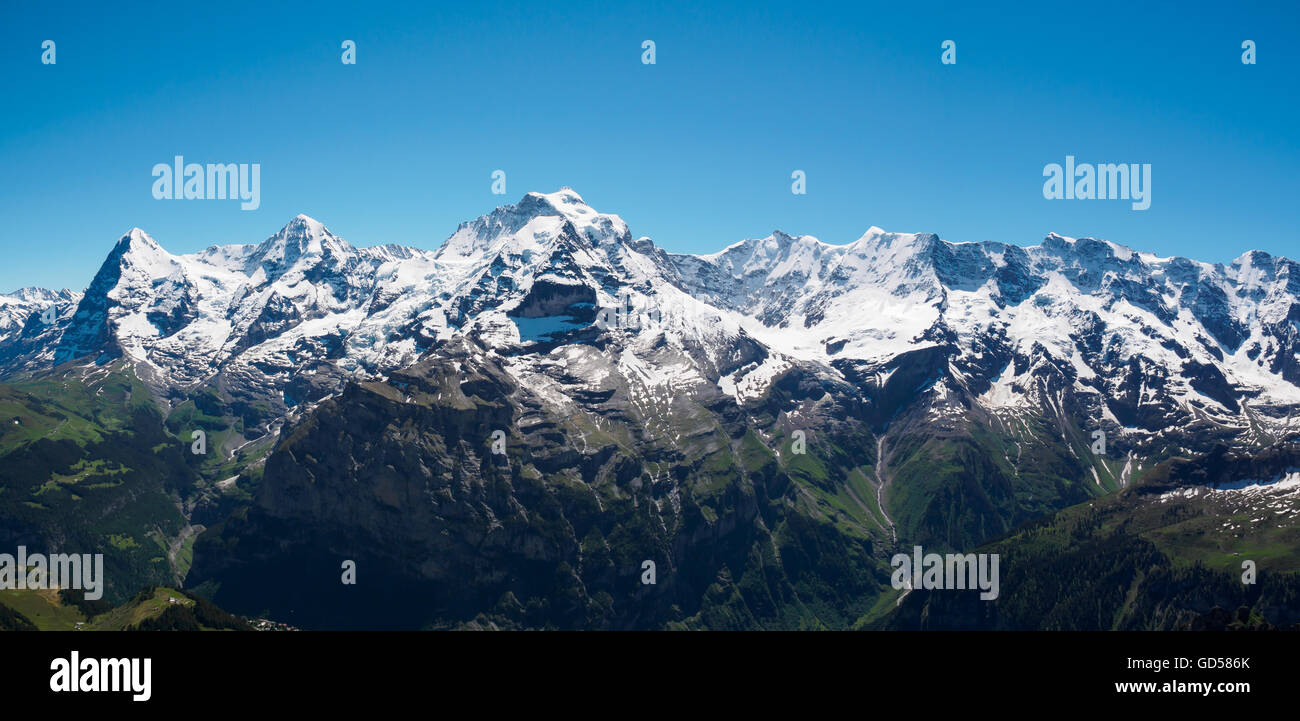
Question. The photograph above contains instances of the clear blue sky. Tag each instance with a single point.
(695, 151)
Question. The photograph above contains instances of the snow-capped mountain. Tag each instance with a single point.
(1122, 340)
(1141, 343)
(786, 411)
(27, 314)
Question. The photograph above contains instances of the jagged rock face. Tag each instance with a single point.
(23, 325)
(1085, 302)
(552, 531)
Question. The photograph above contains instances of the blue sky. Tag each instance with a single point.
(695, 151)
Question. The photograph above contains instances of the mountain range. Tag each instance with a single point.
(767, 424)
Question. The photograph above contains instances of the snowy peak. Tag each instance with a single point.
(879, 255)
(136, 261)
(32, 294)
(752, 254)
(598, 228)
(876, 237)
(302, 239)
(564, 201)
(1257, 269)
(138, 251)
(306, 221)
(139, 238)
(27, 309)
(535, 223)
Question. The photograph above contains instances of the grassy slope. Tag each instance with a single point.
(1130, 560)
(47, 612)
(90, 468)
